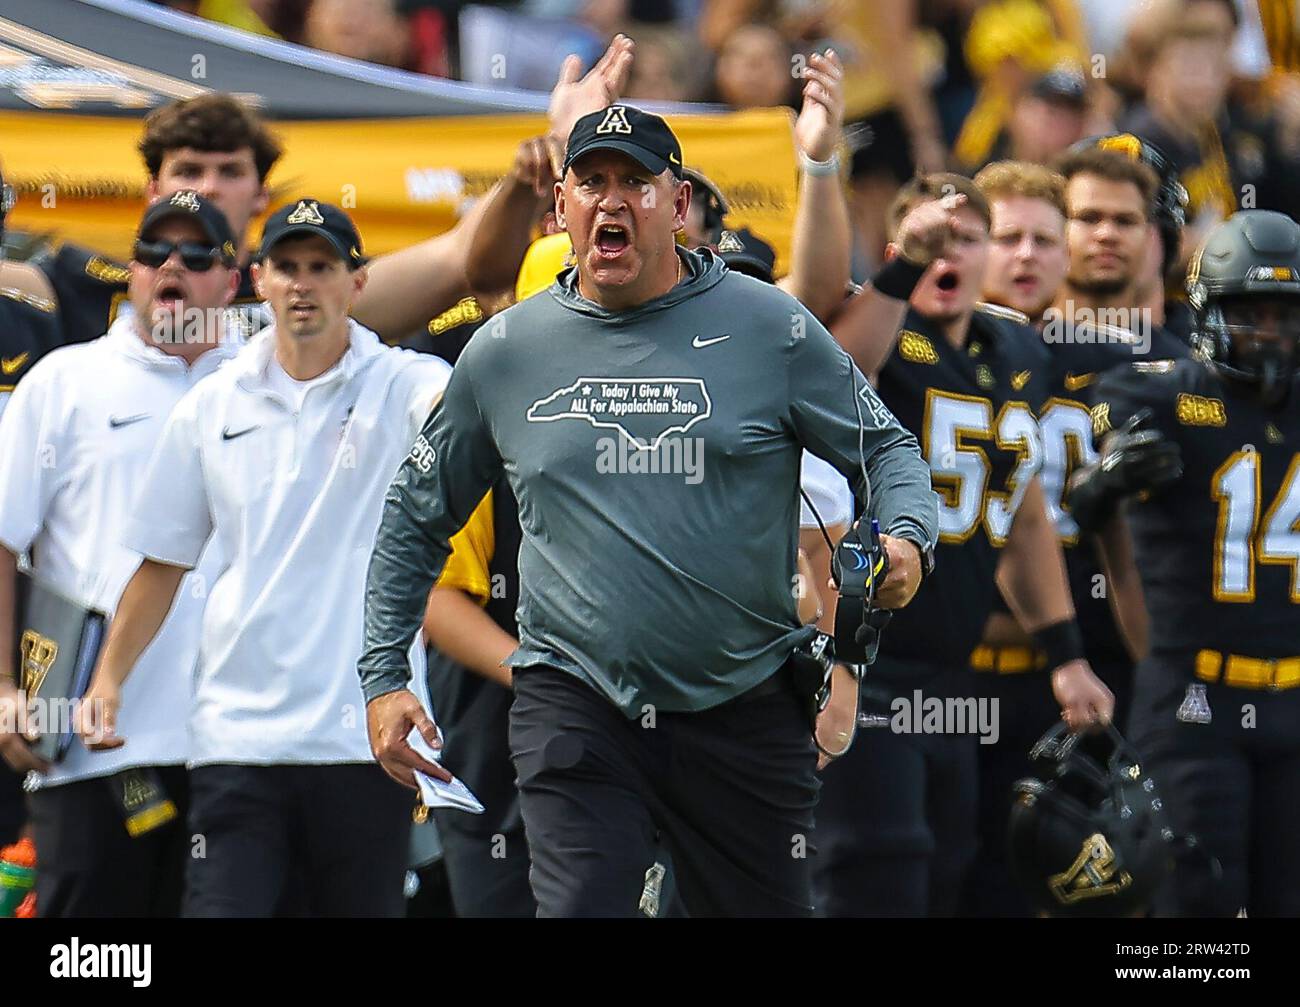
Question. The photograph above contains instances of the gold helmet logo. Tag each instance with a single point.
(1092, 875)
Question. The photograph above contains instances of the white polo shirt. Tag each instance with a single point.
(293, 495)
(75, 443)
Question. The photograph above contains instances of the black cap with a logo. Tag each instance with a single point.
(640, 135)
(311, 216)
(189, 204)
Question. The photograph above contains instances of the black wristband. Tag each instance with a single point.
(1062, 642)
(897, 278)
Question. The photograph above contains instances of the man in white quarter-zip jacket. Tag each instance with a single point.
(75, 442)
(284, 458)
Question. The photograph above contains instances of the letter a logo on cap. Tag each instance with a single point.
(730, 243)
(186, 200)
(615, 121)
(307, 212)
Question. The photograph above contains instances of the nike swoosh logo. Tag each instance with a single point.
(226, 434)
(1073, 382)
(11, 364)
(699, 343)
(673, 158)
(126, 421)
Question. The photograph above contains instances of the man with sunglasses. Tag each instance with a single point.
(284, 457)
(74, 445)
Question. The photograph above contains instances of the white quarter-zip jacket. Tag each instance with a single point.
(293, 498)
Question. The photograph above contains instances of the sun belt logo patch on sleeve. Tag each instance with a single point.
(644, 410)
(1199, 411)
(916, 348)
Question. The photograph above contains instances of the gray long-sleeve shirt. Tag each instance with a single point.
(655, 457)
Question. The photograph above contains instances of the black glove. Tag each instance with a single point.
(1134, 460)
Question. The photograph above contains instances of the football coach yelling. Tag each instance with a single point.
(649, 410)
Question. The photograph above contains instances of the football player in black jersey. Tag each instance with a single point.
(1207, 451)
(1096, 323)
(896, 823)
(1113, 212)
(1026, 266)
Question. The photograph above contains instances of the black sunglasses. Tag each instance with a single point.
(196, 258)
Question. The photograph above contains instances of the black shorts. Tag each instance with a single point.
(730, 790)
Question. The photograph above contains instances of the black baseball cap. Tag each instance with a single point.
(747, 253)
(189, 204)
(1064, 85)
(311, 216)
(638, 134)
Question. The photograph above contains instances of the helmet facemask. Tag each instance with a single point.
(1253, 339)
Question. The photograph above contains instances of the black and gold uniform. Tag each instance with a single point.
(1017, 676)
(1208, 453)
(1217, 706)
(896, 822)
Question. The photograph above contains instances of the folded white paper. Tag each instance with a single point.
(436, 794)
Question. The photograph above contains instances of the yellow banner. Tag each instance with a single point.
(80, 178)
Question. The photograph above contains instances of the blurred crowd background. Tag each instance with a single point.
(929, 83)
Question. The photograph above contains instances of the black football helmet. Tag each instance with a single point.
(1170, 209)
(1252, 254)
(1088, 834)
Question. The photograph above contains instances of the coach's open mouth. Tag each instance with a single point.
(948, 280)
(611, 239)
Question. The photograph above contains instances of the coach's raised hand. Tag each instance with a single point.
(389, 719)
(574, 97)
